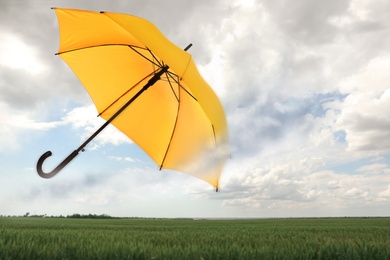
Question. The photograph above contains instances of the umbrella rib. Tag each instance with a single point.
(158, 64)
(154, 56)
(178, 83)
(136, 84)
(95, 46)
(154, 62)
(173, 90)
(173, 133)
(185, 90)
(168, 73)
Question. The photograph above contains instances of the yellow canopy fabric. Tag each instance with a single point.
(179, 121)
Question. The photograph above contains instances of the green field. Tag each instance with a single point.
(66, 238)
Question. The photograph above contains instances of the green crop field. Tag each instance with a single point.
(66, 238)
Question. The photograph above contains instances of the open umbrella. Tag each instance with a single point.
(175, 117)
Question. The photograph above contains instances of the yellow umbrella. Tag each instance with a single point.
(175, 117)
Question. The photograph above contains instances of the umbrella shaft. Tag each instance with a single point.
(43, 157)
(150, 83)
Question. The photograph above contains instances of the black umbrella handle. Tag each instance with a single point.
(58, 168)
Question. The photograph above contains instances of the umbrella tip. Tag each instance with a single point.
(189, 46)
(102, 12)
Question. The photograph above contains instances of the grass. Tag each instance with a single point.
(64, 238)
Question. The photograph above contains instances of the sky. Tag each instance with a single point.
(305, 89)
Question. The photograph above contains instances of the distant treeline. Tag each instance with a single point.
(102, 216)
(86, 216)
(76, 215)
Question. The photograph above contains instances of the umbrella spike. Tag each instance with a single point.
(189, 46)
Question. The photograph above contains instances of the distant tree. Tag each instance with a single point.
(91, 216)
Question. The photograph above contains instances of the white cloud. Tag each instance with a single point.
(364, 112)
(375, 168)
(385, 194)
(17, 55)
(119, 159)
(103, 197)
(16, 124)
(299, 186)
(85, 119)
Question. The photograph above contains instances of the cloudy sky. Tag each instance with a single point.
(304, 84)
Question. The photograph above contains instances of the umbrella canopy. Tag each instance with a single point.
(179, 121)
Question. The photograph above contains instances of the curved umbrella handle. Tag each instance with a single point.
(58, 168)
